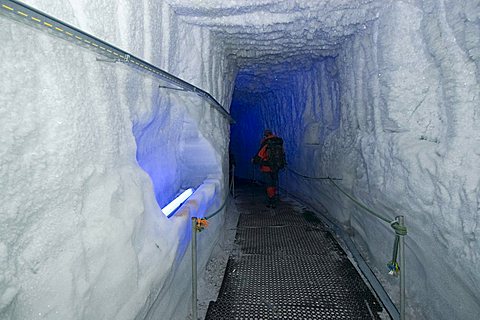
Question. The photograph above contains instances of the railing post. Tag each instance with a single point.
(194, 269)
(233, 181)
(286, 181)
(401, 222)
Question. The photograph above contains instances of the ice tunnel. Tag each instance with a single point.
(110, 109)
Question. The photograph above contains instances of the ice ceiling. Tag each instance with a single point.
(265, 38)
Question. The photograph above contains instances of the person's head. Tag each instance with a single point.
(267, 132)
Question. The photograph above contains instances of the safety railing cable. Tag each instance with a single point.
(198, 225)
(398, 225)
(358, 203)
(213, 214)
(312, 178)
(36, 18)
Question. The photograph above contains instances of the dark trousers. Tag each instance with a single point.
(271, 181)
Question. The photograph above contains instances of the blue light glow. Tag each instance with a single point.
(170, 208)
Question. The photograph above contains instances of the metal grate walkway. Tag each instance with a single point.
(288, 268)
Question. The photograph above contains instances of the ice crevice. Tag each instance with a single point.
(383, 94)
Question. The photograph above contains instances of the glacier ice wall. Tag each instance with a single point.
(383, 94)
(394, 112)
(410, 101)
(91, 151)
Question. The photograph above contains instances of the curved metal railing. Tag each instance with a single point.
(40, 20)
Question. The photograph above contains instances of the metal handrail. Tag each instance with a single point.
(33, 17)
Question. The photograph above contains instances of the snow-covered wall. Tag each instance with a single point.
(396, 115)
(90, 152)
(381, 93)
(410, 93)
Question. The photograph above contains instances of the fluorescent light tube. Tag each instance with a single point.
(170, 208)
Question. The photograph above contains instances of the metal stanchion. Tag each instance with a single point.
(286, 182)
(233, 181)
(401, 222)
(194, 269)
(253, 173)
(253, 182)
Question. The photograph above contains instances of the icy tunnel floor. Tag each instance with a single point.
(286, 265)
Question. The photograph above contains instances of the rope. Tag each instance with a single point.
(219, 209)
(313, 178)
(399, 229)
(227, 197)
(361, 205)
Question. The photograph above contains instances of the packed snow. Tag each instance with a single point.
(383, 94)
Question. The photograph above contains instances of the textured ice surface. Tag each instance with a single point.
(384, 94)
(89, 153)
(395, 113)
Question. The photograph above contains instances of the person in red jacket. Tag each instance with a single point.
(271, 159)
